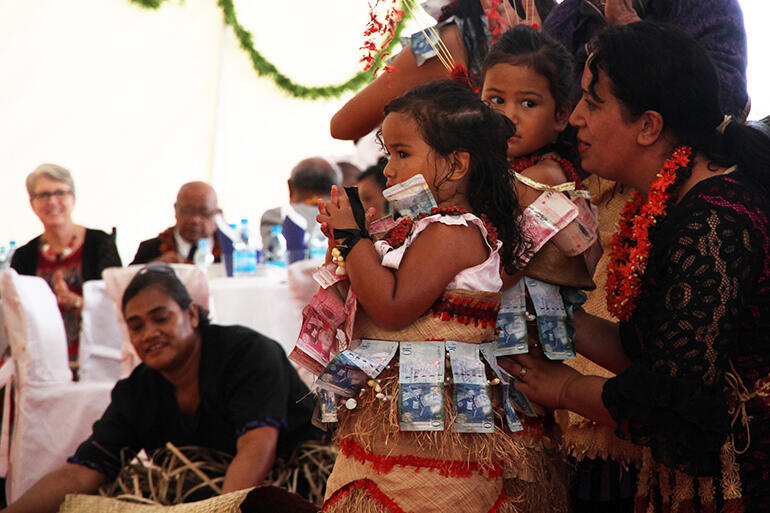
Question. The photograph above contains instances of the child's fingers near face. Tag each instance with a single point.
(322, 207)
(335, 195)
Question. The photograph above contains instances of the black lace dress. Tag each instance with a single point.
(700, 345)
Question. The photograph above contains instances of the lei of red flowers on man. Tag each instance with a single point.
(630, 247)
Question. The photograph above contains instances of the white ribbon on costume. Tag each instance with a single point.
(568, 187)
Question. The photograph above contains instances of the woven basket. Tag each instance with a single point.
(77, 503)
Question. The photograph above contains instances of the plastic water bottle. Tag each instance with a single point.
(318, 244)
(275, 247)
(11, 251)
(244, 252)
(5, 259)
(203, 256)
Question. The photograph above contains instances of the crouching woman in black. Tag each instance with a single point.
(222, 387)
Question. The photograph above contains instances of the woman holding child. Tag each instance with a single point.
(688, 278)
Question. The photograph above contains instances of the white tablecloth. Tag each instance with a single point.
(264, 303)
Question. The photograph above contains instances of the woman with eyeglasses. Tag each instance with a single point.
(66, 254)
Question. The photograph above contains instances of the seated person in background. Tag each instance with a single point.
(66, 254)
(371, 183)
(310, 180)
(195, 210)
(222, 387)
(349, 173)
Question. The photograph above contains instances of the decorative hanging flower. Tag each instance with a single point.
(379, 32)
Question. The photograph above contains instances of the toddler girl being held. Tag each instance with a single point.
(407, 441)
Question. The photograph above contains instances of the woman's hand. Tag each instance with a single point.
(620, 12)
(541, 380)
(67, 299)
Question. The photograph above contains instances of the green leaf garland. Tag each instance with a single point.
(265, 68)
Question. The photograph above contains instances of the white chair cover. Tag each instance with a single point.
(52, 414)
(116, 279)
(100, 340)
(35, 329)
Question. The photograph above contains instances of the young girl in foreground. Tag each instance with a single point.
(434, 277)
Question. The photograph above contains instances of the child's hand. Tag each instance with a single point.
(338, 214)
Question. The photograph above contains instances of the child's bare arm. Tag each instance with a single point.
(395, 299)
(547, 172)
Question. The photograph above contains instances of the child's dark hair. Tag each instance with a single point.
(163, 277)
(525, 46)
(452, 118)
(376, 173)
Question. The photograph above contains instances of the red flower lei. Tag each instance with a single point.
(398, 234)
(522, 163)
(630, 246)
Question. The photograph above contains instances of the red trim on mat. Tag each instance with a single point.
(502, 499)
(373, 491)
(378, 495)
(384, 464)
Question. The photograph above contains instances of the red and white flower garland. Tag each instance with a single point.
(630, 247)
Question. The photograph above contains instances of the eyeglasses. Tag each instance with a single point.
(192, 212)
(60, 194)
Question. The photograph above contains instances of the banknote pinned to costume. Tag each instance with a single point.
(470, 389)
(421, 386)
(411, 197)
(351, 306)
(551, 319)
(580, 234)
(382, 225)
(550, 213)
(511, 324)
(318, 341)
(487, 350)
(352, 368)
(328, 406)
(326, 275)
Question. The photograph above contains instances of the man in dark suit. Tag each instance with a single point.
(195, 210)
